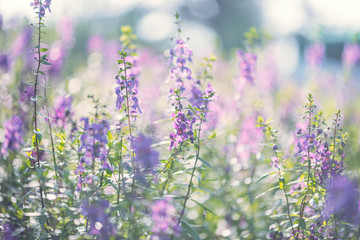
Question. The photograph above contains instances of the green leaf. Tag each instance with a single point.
(205, 162)
(43, 115)
(202, 188)
(264, 176)
(207, 209)
(189, 229)
(43, 49)
(302, 223)
(45, 62)
(269, 190)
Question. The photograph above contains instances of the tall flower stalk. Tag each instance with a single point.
(40, 8)
(127, 100)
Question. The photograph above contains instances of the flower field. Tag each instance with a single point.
(122, 140)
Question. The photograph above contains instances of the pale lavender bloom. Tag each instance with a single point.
(183, 129)
(21, 43)
(65, 28)
(4, 62)
(26, 93)
(93, 144)
(342, 200)
(56, 57)
(247, 67)
(248, 139)
(163, 215)
(210, 91)
(196, 97)
(275, 162)
(146, 158)
(315, 53)
(8, 231)
(268, 74)
(13, 135)
(41, 6)
(129, 86)
(99, 221)
(95, 44)
(63, 111)
(180, 55)
(351, 54)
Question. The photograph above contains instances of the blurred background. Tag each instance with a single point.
(303, 47)
(209, 24)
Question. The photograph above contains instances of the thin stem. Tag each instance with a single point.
(303, 202)
(51, 136)
(131, 145)
(167, 180)
(120, 174)
(35, 109)
(192, 176)
(336, 123)
(284, 188)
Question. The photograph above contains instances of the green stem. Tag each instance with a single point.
(303, 202)
(192, 176)
(35, 109)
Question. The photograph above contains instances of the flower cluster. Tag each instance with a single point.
(183, 129)
(247, 67)
(196, 97)
(93, 142)
(62, 109)
(274, 162)
(318, 152)
(127, 82)
(13, 135)
(342, 200)
(180, 55)
(8, 231)
(41, 6)
(99, 220)
(315, 54)
(351, 54)
(163, 214)
(248, 139)
(93, 146)
(146, 159)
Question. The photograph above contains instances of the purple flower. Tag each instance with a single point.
(63, 111)
(93, 145)
(21, 43)
(8, 231)
(33, 156)
(163, 215)
(209, 91)
(182, 129)
(351, 54)
(57, 57)
(95, 43)
(128, 86)
(196, 98)
(13, 135)
(275, 162)
(41, 6)
(342, 200)
(65, 28)
(248, 139)
(179, 56)
(314, 54)
(247, 67)
(146, 158)
(4, 62)
(99, 221)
